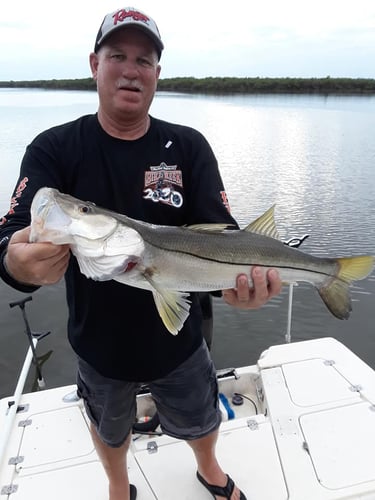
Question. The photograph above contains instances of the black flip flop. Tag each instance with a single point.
(133, 492)
(220, 491)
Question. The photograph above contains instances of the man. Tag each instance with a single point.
(125, 160)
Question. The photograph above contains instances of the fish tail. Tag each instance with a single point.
(335, 292)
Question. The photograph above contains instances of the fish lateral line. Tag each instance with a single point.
(248, 264)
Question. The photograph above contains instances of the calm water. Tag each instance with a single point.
(313, 156)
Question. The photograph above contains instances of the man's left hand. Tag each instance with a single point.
(265, 286)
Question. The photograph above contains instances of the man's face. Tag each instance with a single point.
(126, 70)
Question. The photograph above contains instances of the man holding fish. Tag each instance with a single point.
(165, 174)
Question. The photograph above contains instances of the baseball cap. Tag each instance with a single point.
(129, 16)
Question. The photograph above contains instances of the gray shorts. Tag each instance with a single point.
(186, 400)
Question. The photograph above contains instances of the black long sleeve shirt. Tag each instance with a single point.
(169, 176)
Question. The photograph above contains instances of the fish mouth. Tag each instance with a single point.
(43, 202)
(47, 217)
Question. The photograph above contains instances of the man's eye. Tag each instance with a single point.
(144, 62)
(117, 57)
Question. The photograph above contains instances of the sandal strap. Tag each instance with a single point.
(133, 492)
(220, 491)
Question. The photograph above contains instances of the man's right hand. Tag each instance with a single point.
(35, 263)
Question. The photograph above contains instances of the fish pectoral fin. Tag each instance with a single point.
(265, 225)
(173, 306)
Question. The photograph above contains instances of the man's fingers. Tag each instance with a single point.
(266, 284)
(243, 290)
(274, 283)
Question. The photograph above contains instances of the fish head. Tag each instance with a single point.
(61, 218)
(100, 239)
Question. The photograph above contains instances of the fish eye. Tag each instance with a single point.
(84, 209)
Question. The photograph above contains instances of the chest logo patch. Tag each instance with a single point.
(162, 183)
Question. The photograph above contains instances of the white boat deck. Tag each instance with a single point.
(312, 439)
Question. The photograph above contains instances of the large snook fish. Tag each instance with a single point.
(171, 261)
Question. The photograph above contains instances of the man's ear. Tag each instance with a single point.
(93, 60)
(158, 69)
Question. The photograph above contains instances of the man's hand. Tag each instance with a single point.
(35, 263)
(265, 286)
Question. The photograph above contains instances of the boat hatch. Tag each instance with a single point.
(246, 450)
(63, 483)
(317, 381)
(54, 436)
(319, 397)
(341, 444)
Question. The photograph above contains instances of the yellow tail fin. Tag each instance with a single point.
(335, 293)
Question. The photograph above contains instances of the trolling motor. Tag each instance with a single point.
(32, 337)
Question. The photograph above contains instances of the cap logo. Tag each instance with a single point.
(123, 14)
(129, 16)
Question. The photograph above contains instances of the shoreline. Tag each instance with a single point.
(224, 85)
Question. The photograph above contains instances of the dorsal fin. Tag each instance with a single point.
(265, 224)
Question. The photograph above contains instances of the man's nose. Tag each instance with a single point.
(129, 68)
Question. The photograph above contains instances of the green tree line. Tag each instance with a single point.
(224, 85)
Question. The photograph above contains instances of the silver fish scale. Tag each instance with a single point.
(233, 247)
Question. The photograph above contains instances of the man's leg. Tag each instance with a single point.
(111, 407)
(187, 405)
(208, 466)
(115, 465)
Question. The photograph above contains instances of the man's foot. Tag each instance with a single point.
(226, 492)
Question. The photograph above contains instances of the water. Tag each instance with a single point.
(312, 156)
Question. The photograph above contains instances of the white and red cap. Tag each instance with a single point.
(132, 17)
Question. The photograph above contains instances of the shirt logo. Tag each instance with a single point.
(160, 186)
(224, 199)
(14, 200)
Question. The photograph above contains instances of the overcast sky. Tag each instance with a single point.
(266, 38)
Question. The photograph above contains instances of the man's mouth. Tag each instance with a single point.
(130, 87)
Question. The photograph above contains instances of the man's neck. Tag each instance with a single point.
(127, 130)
